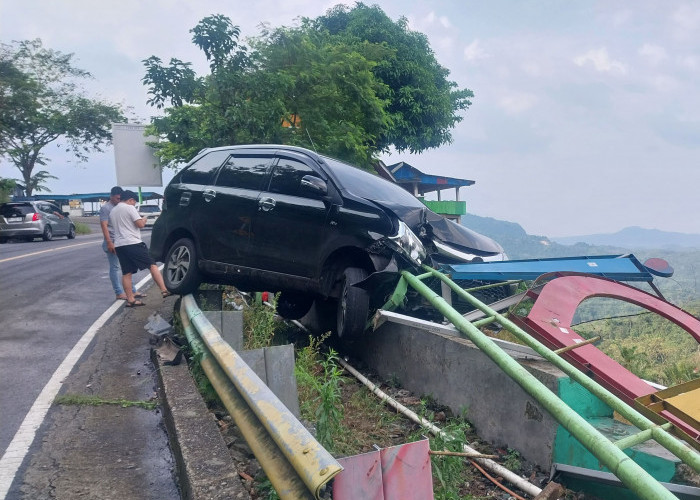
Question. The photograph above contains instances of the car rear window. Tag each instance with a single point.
(149, 209)
(20, 210)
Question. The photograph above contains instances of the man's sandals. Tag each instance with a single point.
(135, 303)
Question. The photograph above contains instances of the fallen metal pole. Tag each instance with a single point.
(511, 477)
(629, 472)
(276, 433)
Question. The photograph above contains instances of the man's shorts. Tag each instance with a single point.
(134, 257)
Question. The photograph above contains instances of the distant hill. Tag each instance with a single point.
(637, 237)
(520, 245)
(684, 286)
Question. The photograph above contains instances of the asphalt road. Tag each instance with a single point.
(50, 294)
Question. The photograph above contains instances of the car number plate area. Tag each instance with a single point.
(14, 219)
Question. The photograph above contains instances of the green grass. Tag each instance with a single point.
(82, 228)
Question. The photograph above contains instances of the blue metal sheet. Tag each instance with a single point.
(615, 267)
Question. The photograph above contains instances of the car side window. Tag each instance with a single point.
(286, 177)
(202, 171)
(244, 171)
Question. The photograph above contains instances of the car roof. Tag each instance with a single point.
(273, 147)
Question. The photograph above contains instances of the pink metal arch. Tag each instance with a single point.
(550, 320)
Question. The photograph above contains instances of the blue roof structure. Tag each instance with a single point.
(418, 183)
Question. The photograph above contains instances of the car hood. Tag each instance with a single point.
(445, 230)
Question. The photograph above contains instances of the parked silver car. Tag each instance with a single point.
(34, 219)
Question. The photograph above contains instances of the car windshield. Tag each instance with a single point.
(370, 187)
(149, 209)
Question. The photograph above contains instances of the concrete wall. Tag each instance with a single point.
(460, 376)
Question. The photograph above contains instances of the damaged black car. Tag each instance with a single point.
(285, 219)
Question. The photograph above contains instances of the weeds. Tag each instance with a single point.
(82, 228)
(449, 471)
(259, 321)
(319, 380)
(84, 400)
(513, 460)
(330, 410)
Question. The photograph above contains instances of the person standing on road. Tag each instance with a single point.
(108, 245)
(131, 250)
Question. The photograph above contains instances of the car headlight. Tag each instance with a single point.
(406, 243)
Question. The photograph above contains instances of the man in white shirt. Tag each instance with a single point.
(131, 250)
(108, 244)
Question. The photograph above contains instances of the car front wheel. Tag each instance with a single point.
(180, 272)
(353, 305)
(71, 232)
(48, 233)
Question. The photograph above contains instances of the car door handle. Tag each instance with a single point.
(266, 204)
(208, 194)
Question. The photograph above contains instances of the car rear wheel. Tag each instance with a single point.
(180, 273)
(353, 305)
(48, 233)
(71, 232)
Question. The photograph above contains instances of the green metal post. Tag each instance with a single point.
(683, 451)
(629, 472)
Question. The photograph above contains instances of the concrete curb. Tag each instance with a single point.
(204, 466)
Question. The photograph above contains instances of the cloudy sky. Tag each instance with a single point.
(586, 115)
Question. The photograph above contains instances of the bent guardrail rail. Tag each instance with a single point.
(294, 462)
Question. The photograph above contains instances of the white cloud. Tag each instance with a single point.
(601, 61)
(665, 83)
(474, 52)
(689, 62)
(686, 19)
(517, 102)
(432, 18)
(653, 53)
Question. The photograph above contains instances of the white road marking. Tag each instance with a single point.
(45, 251)
(19, 446)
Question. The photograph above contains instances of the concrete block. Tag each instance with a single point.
(255, 359)
(279, 370)
(275, 367)
(214, 318)
(232, 329)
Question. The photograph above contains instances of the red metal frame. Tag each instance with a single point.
(550, 319)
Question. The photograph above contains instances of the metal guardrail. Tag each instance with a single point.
(295, 463)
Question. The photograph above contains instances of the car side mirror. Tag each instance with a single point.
(315, 185)
(66, 214)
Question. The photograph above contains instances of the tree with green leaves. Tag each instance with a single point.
(41, 102)
(423, 104)
(350, 84)
(37, 183)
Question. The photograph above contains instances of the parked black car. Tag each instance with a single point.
(282, 218)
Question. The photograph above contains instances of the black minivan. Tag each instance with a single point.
(285, 219)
